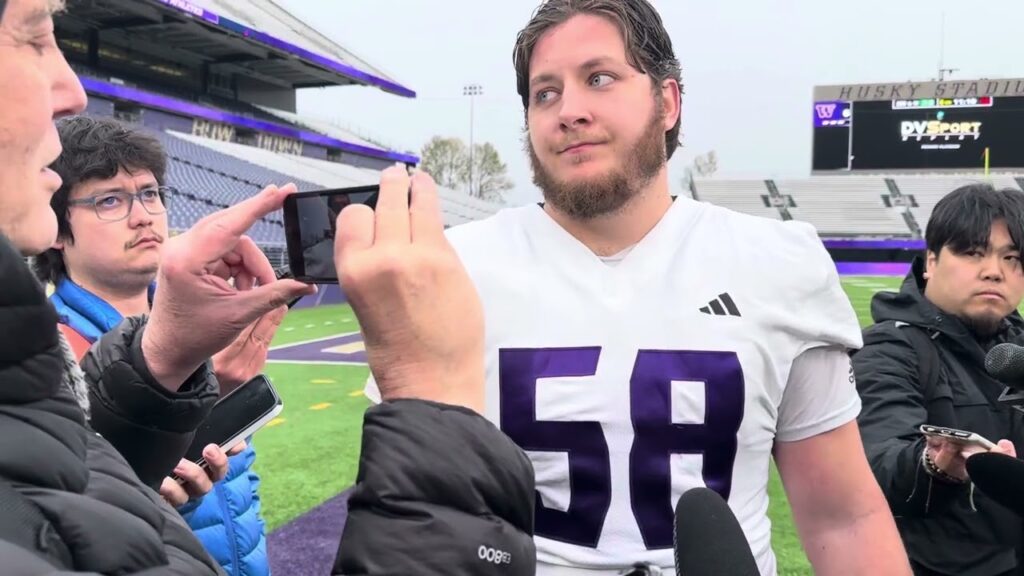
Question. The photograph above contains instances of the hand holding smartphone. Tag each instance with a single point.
(235, 417)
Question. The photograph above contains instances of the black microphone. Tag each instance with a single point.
(1000, 477)
(708, 539)
(1005, 362)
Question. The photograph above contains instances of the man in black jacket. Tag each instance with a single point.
(923, 363)
(71, 502)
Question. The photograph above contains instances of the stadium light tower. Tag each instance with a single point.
(471, 90)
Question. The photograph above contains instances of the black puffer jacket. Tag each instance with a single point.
(102, 518)
(440, 491)
(950, 529)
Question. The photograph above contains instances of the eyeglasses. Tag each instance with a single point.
(114, 206)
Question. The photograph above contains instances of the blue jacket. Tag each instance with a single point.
(227, 520)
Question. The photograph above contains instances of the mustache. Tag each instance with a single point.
(144, 236)
(575, 139)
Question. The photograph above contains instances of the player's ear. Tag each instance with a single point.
(931, 261)
(671, 101)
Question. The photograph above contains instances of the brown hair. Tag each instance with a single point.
(648, 46)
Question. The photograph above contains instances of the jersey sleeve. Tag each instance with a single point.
(820, 395)
(816, 310)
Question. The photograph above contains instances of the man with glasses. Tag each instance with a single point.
(112, 221)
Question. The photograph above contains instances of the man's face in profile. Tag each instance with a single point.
(36, 87)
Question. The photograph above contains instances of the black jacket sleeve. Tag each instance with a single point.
(892, 411)
(440, 490)
(149, 425)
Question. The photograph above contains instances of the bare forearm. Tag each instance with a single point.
(867, 544)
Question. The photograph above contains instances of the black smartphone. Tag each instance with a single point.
(310, 219)
(235, 417)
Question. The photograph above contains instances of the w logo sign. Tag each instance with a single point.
(825, 111)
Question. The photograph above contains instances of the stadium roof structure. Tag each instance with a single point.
(257, 37)
(190, 109)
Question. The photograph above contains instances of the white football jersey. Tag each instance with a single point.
(630, 380)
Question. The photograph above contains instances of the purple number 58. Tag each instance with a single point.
(656, 437)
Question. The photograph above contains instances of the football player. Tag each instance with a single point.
(639, 345)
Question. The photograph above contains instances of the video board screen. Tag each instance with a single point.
(923, 134)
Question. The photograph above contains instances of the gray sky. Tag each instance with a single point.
(749, 67)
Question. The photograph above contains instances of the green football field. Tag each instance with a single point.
(310, 453)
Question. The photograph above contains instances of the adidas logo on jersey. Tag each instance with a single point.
(721, 306)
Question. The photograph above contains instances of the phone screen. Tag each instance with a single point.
(238, 414)
(310, 220)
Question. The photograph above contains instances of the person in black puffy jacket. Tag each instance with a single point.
(923, 362)
(439, 491)
(107, 519)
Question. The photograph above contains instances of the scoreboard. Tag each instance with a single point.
(929, 133)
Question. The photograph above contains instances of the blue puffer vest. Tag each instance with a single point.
(227, 520)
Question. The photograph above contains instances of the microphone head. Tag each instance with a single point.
(1000, 477)
(1005, 362)
(709, 539)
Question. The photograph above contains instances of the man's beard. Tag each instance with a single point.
(608, 193)
(985, 326)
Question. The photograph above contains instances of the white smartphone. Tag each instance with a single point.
(957, 436)
(235, 417)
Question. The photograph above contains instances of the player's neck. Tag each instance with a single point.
(128, 301)
(610, 234)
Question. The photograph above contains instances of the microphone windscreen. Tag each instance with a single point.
(1000, 477)
(1005, 362)
(709, 539)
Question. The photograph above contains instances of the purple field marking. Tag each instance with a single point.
(326, 294)
(315, 351)
(308, 544)
(905, 244)
(872, 268)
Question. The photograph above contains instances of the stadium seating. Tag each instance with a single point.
(844, 205)
(739, 195)
(927, 190)
(316, 173)
(237, 168)
(457, 207)
(209, 180)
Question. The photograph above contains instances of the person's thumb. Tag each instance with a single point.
(1006, 447)
(262, 300)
